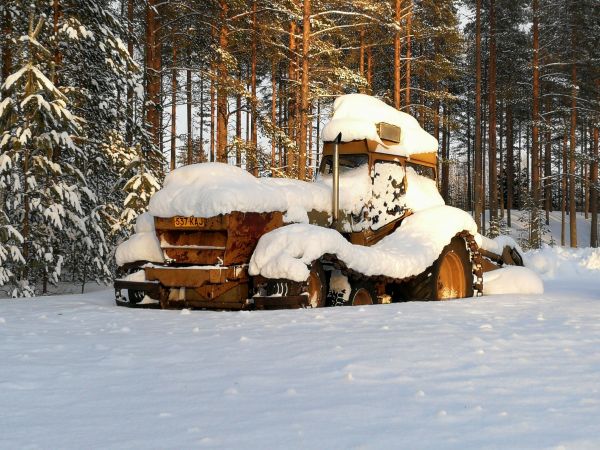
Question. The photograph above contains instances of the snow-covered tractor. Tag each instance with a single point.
(372, 228)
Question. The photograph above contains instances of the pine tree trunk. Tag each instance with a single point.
(253, 123)
(563, 200)
(291, 160)
(478, 192)
(445, 167)
(535, 146)
(397, 86)
(493, 170)
(469, 159)
(510, 164)
(130, 106)
(213, 118)
(238, 123)
(361, 58)
(223, 75)
(304, 87)
(369, 70)
(188, 92)
(201, 138)
(153, 70)
(594, 189)
(273, 114)
(572, 142)
(548, 167)
(408, 55)
(174, 106)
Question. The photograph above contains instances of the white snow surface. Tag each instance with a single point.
(286, 252)
(356, 116)
(511, 280)
(504, 371)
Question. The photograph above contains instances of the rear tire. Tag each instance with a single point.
(362, 293)
(449, 277)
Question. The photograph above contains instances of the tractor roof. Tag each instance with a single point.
(360, 117)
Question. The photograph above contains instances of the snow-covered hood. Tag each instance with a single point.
(210, 189)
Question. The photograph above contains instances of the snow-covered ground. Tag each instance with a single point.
(493, 372)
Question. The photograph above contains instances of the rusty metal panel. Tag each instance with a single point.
(245, 229)
(184, 277)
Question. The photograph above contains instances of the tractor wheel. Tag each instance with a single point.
(449, 277)
(362, 293)
(135, 296)
(317, 286)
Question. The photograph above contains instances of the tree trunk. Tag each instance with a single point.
(253, 128)
(408, 56)
(572, 206)
(361, 58)
(397, 86)
(153, 70)
(201, 138)
(548, 168)
(129, 110)
(535, 146)
(478, 192)
(594, 189)
(238, 123)
(273, 114)
(493, 170)
(174, 106)
(188, 92)
(369, 70)
(213, 118)
(563, 200)
(304, 87)
(223, 75)
(510, 164)
(291, 160)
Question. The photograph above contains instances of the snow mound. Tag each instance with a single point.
(356, 116)
(286, 252)
(210, 189)
(139, 247)
(512, 280)
(563, 262)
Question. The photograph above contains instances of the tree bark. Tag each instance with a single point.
(174, 106)
(361, 58)
(223, 75)
(273, 114)
(129, 110)
(548, 167)
(535, 146)
(594, 189)
(291, 160)
(397, 87)
(563, 201)
(510, 164)
(304, 88)
(153, 70)
(188, 92)
(572, 142)
(213, 118)
(478, 192)
(238, 123)
(407, 101)
(253, 127)
(493, 170)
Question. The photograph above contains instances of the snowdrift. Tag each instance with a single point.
(356, 116)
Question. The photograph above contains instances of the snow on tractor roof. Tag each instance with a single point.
(356, 116)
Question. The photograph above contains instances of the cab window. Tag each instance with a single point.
(347, 162)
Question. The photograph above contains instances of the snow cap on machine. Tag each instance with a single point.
(356, 116)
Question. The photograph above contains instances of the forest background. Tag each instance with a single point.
(101, 98)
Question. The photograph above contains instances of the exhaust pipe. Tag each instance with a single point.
(335, 206)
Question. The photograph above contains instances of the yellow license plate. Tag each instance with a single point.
(188, 222)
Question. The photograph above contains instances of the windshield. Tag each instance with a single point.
(347, 162)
